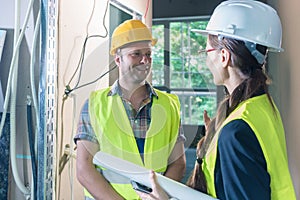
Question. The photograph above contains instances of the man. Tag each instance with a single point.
(130, 120)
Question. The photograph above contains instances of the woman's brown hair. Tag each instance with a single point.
(255, 82)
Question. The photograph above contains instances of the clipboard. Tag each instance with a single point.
(141, 175)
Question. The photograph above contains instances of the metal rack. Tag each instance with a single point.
(47, 101)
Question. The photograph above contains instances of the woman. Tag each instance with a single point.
(243, 155)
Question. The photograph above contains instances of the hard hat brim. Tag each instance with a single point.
(229, 35)
(153, 42)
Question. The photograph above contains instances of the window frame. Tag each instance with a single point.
(166, 22)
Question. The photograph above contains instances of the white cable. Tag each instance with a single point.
(71, 174)
(13, 63)
(32, 81)
(14, 70)
(33, 91)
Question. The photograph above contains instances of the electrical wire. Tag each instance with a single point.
(82, 57)
(33, 141)
(32, 80)
(71, 176)
(31, 147)
(61, 139)
(18, 38)
(11, 88)
(67, 92)
(147, 8)
(14, 73)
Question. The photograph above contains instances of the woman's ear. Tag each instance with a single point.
(225, 57)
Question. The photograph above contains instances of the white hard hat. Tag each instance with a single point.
(246, 20)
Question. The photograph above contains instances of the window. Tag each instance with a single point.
(178, 68)
(119, 12)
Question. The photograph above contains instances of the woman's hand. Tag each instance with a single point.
(206, 119)
(157, 192)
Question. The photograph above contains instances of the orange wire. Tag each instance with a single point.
(147, 7)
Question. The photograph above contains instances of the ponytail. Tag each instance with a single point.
(255, 83)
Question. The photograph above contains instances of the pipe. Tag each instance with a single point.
(72, 146)
(14, 70)
(13, 63)
(18, 181)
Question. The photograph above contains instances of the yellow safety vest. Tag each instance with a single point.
(257, 112)
(115, 135)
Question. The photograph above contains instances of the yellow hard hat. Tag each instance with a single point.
(130, 31)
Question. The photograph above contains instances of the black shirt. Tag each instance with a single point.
(241, 170)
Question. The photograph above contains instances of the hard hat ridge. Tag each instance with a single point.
(128, 32)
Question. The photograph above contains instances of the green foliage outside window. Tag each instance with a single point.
(189, 77)
(158, 56)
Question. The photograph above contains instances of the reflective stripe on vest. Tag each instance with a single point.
(115, 135)
(257, 112)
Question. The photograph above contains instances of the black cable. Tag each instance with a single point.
(68, 90)
(31, 147)
(82, 56)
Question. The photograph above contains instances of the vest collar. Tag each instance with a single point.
(116, 89)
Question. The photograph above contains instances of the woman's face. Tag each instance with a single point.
(213, 62)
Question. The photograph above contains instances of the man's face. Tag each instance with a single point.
(134, 61)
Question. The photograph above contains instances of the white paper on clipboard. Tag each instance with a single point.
(141, 175)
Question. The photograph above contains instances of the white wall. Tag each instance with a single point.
(287, 81)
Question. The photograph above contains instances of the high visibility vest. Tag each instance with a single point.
(257, 112)
(115, 135)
